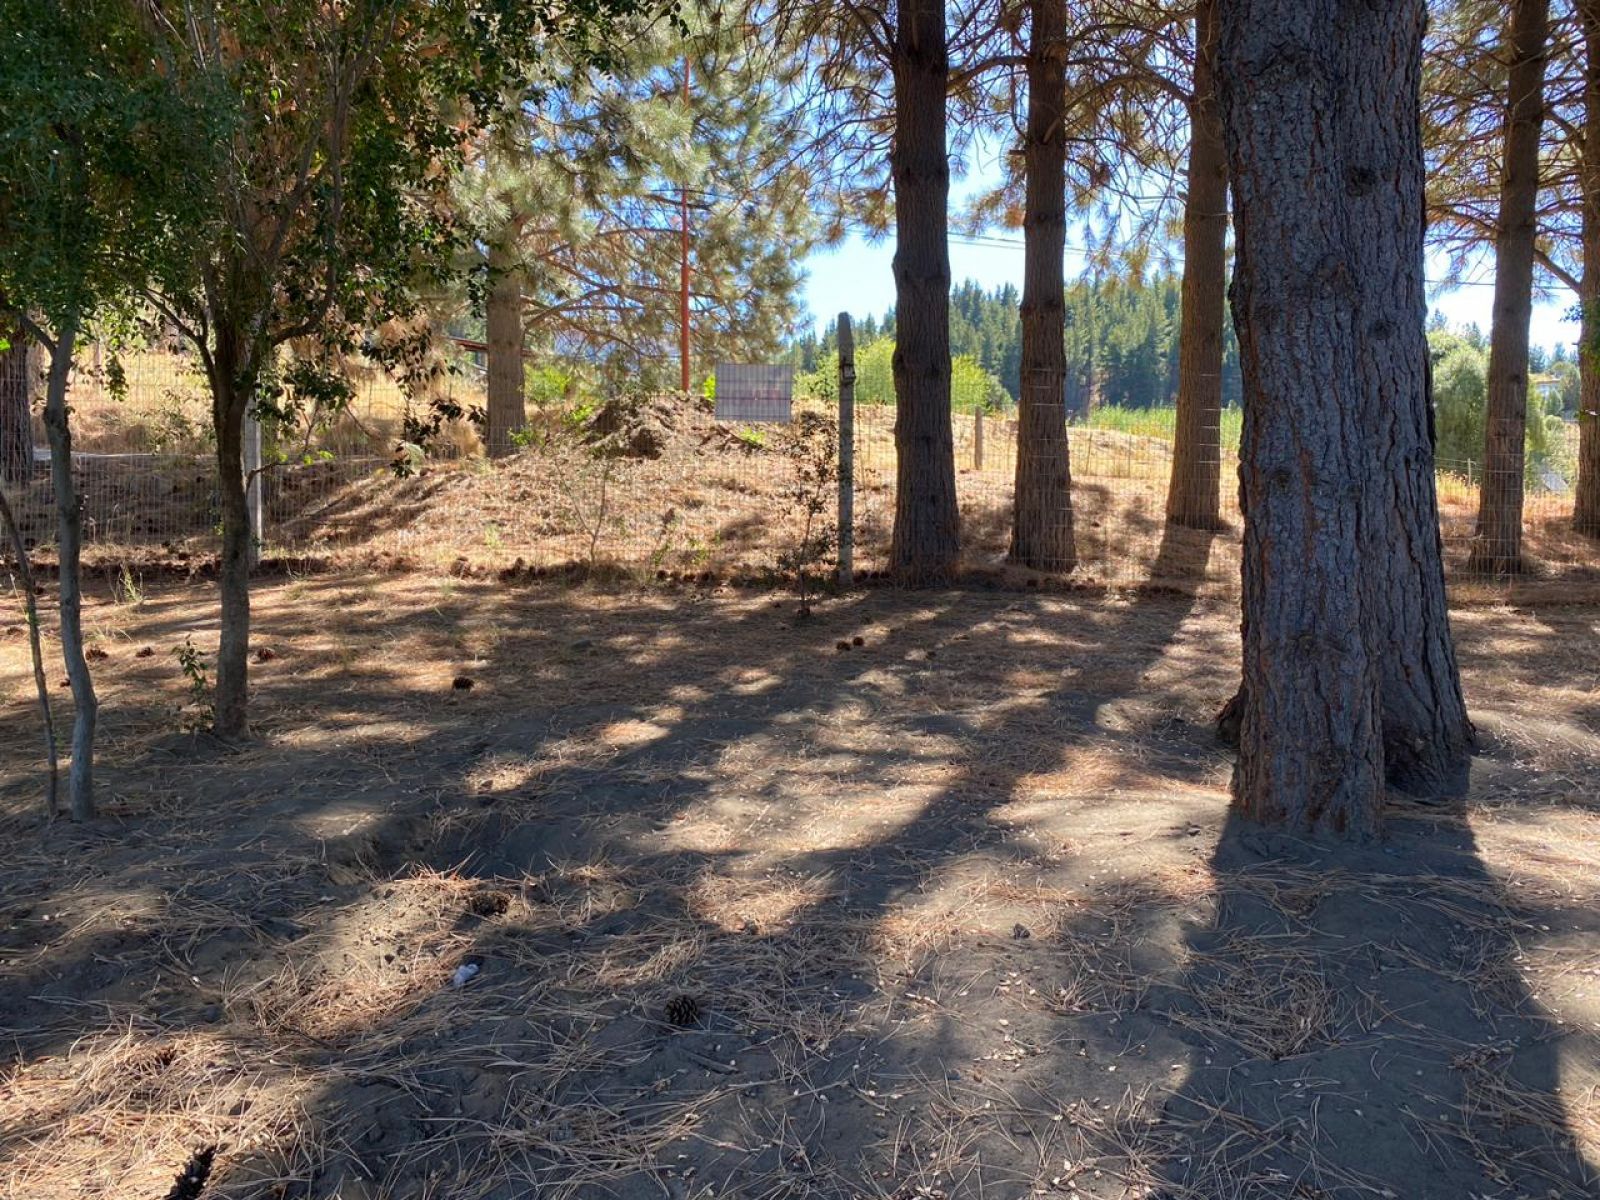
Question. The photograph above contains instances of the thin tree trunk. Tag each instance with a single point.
(506, 413)
(1586, 507)
(231, 387)
(1193, 494)
(1497, 547)
(1311, 754)
(1041, 528)
(30, 606)
(1427, 737)
(926, 540)
(16, 430)
(69, 538)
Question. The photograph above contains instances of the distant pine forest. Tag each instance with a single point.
(1122, 346)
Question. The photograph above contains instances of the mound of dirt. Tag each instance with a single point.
(633, 427)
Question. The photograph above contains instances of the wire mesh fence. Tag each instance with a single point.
(656, 486)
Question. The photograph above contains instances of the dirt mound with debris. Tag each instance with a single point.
(635, 427)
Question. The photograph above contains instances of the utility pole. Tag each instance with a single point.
(683, 262)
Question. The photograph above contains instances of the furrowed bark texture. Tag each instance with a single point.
(69, 538)
(926, 539)
(1193, 494)
(1586, 506)
(1041, 525)
(1427, 738)
(506, 412)
(1497, 546)
(1310, 741)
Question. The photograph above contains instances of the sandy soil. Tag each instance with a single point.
(958, 911)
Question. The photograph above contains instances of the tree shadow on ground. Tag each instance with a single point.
(940, 900)
(1365, 1028)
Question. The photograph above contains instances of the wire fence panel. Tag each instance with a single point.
(655, 486)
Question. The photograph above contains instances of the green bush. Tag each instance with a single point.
(971, 387)
(1460, 399)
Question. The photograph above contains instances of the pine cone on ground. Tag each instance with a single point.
(683, 1011)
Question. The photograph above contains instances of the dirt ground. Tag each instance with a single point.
(760, 910)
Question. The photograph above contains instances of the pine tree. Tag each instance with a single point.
(1319, 109)
(1497, 546)
(1586, 506)
(1194, 492)
(1041, 524)
(578, 197)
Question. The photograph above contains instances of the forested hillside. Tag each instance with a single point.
(1121, 332)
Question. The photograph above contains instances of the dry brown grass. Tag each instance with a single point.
(714, 503)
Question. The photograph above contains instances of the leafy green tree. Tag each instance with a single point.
(971, 386)
(100, 164)
(1460, 397)
(331, 210)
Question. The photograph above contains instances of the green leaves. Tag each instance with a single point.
(101, 163)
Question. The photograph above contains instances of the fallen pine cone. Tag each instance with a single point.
(462, 683)
(683, 1011)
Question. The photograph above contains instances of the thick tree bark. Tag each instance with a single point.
(926, 520)
(1427, 737)
(1586, 506)
(16, 430)
(1193, 494)
(69, 539)
(1311, 753)
(232, 384)
(1041, 527)
(506, 413)
(1497, 546)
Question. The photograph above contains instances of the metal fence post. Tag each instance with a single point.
(847, 452)
(252, 488)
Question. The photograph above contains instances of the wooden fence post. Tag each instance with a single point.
(847, 452)
(977, 439)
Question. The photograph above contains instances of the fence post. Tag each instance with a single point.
(847, 452)
(977, 439)
(252, 487)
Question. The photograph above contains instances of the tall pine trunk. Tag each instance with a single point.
(16, 430)
(69, 539)
(232, 385)
(1193, 494)
(503, 312)
(1586, 508)
(1497, 546)
(1427, 737)
(926, 520)
(1311, 754)
(1041, 527)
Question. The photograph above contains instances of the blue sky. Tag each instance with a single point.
(855, 276)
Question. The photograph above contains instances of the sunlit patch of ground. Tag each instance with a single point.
(957, 911)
